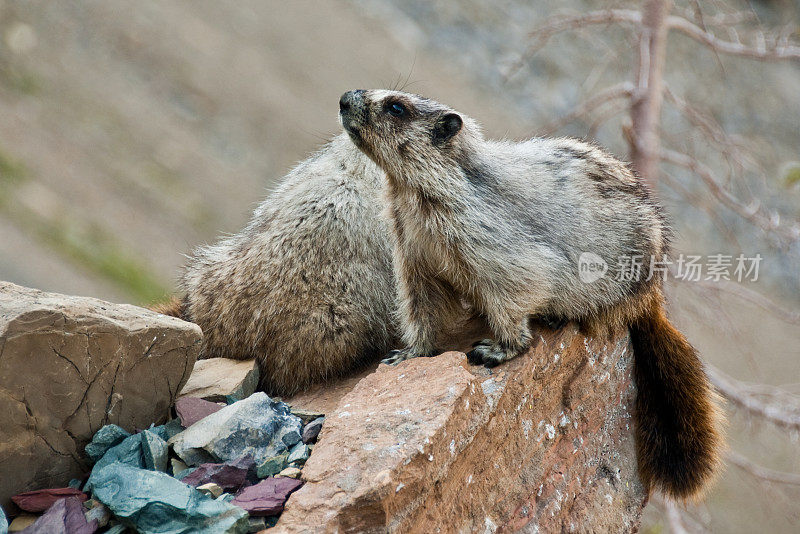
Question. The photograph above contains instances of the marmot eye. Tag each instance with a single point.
(397, 110)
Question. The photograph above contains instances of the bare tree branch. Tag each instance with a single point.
(774, 48)
(791, 317)
(561, 23)
(733, 148)
(674, 518)
(778, 49)
(615, 92)
(649, 92)
(752, 213)
(769, 475)
(776, 411)
(611, 111)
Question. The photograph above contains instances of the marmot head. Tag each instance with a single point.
(403, 132)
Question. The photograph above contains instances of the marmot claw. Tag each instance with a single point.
(488, 353)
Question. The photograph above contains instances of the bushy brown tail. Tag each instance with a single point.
(174, 307)
(678, 421)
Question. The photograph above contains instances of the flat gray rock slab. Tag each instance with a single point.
(70, 365)
(218, 379)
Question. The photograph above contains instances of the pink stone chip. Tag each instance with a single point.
(229, 475)
(267, 497)
(66, 516)
(41, 500)
(191, 410)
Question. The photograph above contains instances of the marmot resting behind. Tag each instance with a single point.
(307, 287)
(503, 225)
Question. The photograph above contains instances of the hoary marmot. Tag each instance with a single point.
(503, 226)
(307, 287)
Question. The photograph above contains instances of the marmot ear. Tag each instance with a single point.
(446, 127)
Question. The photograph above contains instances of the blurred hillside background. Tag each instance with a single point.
(133, 131)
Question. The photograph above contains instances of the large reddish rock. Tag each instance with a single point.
(542, 443)
(68, 366)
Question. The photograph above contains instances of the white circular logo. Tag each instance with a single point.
(591, 267)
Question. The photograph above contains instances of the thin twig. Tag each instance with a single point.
(791, 317)
(611, 111)
(674, 518)
(714, 132)
(736, 392)
(750, 213)
(615, 92)
(763, 473)
(720, 19)
(779, 49)
(561, 23)
(699, 19)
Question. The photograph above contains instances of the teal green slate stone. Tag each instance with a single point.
(272, 466)
(155, 503)
(299, 454)
(104, 439)
(145, 450)
(154, 451)
(129, 452)
(168, 430)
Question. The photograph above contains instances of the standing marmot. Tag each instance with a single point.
(503, 225)
(307, 287)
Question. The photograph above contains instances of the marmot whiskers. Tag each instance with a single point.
(503, 226)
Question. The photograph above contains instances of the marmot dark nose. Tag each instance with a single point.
(344, 102)
(349, 98)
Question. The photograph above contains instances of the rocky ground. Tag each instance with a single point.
(215, 469)
(87, 387)
(545, 441)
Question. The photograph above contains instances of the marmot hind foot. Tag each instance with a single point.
(553, 322)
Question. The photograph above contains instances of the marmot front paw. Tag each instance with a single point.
(490, 353)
